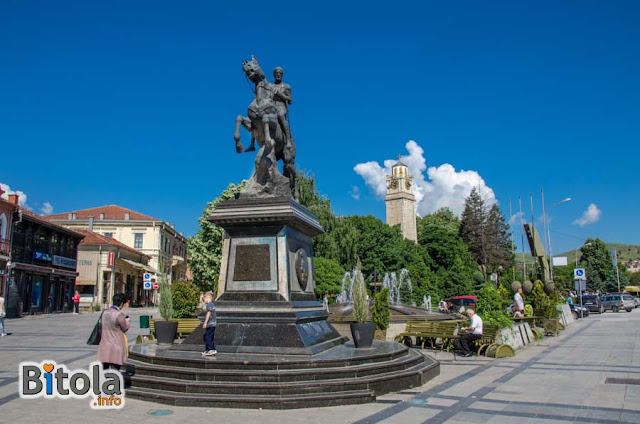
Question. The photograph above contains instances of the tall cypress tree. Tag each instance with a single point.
(473, 228)
(486, 234)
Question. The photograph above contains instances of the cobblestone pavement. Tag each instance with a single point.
(557, 380)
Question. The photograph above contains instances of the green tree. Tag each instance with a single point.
(473, 228)
(597, 263)
(443, 218)
(381, 310)
(205, 247)
(186, 296)
(166, 298)
(329, 275)
(611, 284)
(338, 241)
(360, 304)
(486, 234)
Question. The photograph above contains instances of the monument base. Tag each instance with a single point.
(266, 301)
(291, 328)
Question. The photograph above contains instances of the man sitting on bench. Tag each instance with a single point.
(474, 332)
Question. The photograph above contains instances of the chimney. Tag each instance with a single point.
(91, 223)
(102, 216)
(13, 198)
(127, 216)
(173, 226)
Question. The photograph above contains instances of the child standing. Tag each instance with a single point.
(209, 325)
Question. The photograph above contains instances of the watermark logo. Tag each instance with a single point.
(49, 380)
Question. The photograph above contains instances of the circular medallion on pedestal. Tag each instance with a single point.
(302, 268)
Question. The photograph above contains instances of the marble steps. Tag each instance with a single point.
(140, 368)
(260, 362)
(379, 383)
(253, 401)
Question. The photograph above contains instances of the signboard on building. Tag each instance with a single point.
(65, 262)
(41, 256)
(112, 259)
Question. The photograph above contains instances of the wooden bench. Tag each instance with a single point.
(185, 327)
(426, 332)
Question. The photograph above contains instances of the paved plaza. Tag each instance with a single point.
(576, 377)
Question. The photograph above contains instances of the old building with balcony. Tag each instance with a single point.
(166, 248)
(6, 216)
(42, 266)
(107, 267)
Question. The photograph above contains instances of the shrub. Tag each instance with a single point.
(381, 312)
(186, 296)
(489, 307)
(360, 304)
(166, 299)
(489, 300)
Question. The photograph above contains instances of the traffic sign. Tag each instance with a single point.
(579, 274)
(146, 276)
(156, 286)
(147, 285)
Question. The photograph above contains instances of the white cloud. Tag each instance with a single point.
(445, 187)
(22, 196)
(355, 192)
(590, 216)
(46, 209)
(515, 219)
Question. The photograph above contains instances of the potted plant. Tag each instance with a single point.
(549, 311)
(380, 314)
(362, 331)
(166, 330)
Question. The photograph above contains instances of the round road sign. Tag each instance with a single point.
(156, 286)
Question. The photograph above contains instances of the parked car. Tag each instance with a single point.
(575, 310)
(592, 303)
(466, 301)
(615, 302)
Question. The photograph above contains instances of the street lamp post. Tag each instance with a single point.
(568, 199)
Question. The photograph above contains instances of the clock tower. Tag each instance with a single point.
(400, 201)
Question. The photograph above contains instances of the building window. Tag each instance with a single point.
(137, 243)
(110, 235)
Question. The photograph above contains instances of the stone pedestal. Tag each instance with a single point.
(266, 301)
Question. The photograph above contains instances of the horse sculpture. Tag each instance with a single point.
(262, 122)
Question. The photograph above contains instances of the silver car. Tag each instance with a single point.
(615, 302)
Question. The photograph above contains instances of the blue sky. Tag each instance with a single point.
(133, 103)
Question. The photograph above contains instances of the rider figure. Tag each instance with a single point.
(282, 98)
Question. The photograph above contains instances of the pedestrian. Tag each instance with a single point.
(518, 304)
(473, 332)
(209, 325)
(442, 306)
(112, 350)
(76, 303)
(3, 313)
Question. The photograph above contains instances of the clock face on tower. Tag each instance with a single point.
(408, 185)
(394, 184)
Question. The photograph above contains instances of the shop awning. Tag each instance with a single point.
(138, 265)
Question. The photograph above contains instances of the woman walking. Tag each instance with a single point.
(112, 350)
(3, 313)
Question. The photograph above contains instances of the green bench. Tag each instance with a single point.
(185, 327)
(426, 332)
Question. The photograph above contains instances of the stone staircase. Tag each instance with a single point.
(339, 376)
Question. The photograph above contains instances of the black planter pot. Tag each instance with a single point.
(166, 331)
(362, 333)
